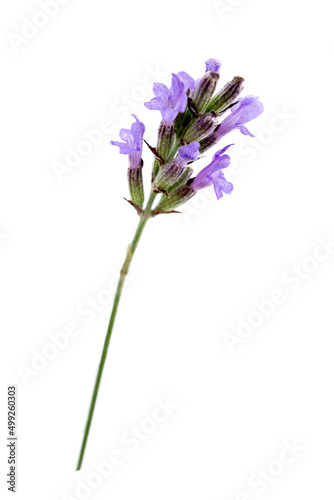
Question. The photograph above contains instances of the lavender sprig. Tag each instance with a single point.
(193, 120)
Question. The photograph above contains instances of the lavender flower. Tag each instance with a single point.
(133, 142)
(171, 101)
(133, 146)
(243, 112)
(212, 174)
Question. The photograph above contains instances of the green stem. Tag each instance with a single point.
(124, 271)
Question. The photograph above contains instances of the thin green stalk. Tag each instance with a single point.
(124, 271)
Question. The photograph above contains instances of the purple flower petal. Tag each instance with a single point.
(222, 151)
(171, 101)
(168, 115)
(126, 136)
(220, 184)
(154, 104)
(124, 148)
(243, 112)
(212, 175)
(177, 84)
(133, 142)
(137, 131)
(189, 152)
(244, 130)
(188, 80)
(161, 91)
(249, 108)
(213, 65)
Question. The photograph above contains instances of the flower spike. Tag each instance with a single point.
(193, 119)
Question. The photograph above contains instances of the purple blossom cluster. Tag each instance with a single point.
(194, 119)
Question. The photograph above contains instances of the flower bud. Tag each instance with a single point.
(176, 199)
(204, 90)
(226, 95)
(135, 178)
(182, 180)
(173, 172)
(202, 127)
(166, 136)
(208, 142)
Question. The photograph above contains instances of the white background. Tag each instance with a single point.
(194, 277)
